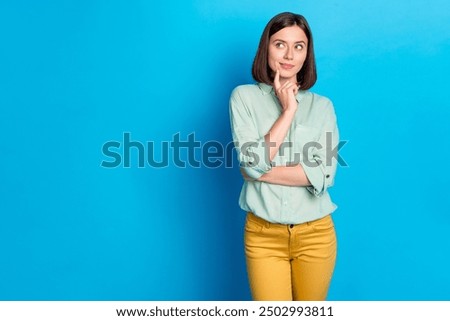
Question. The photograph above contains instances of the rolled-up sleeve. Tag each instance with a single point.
(251, 149)
(320, 162)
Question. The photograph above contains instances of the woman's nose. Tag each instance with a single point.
(288, 54)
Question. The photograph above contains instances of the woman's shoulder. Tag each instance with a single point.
(245, 89)
(318, 101)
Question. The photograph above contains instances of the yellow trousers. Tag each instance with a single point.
(289, 262)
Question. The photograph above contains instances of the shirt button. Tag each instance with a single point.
(291, 226)
(328, 176)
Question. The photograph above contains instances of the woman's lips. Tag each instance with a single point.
(286, 66)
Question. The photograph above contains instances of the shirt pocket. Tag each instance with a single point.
(305, 141)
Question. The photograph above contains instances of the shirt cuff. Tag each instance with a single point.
(255, 160)
(316, 177)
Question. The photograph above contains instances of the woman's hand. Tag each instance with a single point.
(285, 93)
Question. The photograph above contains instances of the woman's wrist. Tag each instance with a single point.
(291, 105)
(289, 111)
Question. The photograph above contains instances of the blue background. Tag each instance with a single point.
(77, 74)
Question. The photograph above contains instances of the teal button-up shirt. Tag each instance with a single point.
(311, 142)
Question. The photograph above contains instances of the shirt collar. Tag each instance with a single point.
(268, 89)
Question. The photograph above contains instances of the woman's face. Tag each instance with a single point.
(287, 52)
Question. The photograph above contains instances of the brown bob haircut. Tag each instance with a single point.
(261, 71)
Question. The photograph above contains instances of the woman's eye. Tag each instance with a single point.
(299, 47)
(279, 45)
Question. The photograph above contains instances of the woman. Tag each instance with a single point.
(284, 136)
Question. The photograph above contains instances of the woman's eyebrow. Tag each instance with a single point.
(300, 41)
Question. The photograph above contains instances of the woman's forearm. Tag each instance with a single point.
(286, 175)
(275, 137)
(285, 91)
